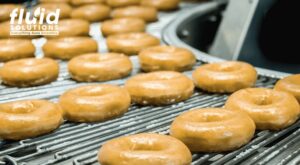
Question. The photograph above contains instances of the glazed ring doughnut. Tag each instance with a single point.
(159, 88)
(72, 27)
(54, 1)
(290, 84)
(5, 28)
(122, 25)
(166, 58)
(65, 9)
(213, 129)
(98, 67)
(92, 12)
(131, 43)
(93, 103)
(69, 47)
(10, 49)
(25, 119)
(270, 109)
(149, 14)
(85, 2)
(144, 148)
(225, 77)
(122, 3)
(161, 4)
(29, 72)
(6, 9)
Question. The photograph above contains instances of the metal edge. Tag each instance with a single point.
(169, 36)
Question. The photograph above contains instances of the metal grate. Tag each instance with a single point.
(78, 144)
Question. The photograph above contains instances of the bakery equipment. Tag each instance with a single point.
(78, 144)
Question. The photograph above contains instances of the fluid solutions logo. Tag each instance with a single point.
(38, 22)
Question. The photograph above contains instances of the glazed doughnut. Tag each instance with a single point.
(93, 103)
(161, 4)
(290, 84)
(270, 109)
(159, 88)
(54, 1)
(166, 58)
(131, 43)
(92, 12)
(225, 77)
(99, 67)
(26, 119)
(122, 25)
(213, 129)
(29, 72)
(65, 9)
(10, 49)
(144, 149)
(69, 47)
(85, 2)
(72, 27)
(149, 14)
(6, 9)
(122, 3)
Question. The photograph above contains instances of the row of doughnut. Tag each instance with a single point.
(197, 130)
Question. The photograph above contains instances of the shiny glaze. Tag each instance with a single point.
(91, 12)
(69, 47)
(99, 67)
(144, 149)
(159, 88)
(12, 49)
(122, 25)
(65, 9)
(166, 58)
(213, 129)
(93, 103)
(131, 43)
(225, 77)
(270, 109)
(149, 14)
(122, 3)
(290, 84)
(161, 4)
(29, 72)
(25, 119)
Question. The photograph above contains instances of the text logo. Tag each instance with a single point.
(38, 22)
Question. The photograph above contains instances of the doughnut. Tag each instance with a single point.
(54, 1)
(131, 43)
(122, 3)
(29, 118)
(85, 2)
(225, 77)
(213, 129)
(92, 12)
(69, 47)
(166, 58)
(10, 49)
(6, 9)
(144, 149)
(161, 4)
(122, 25)
(159, 88)
(65, 9)
(29, 72)
(94, 103)
(270, 109)
(72, 27)
(290, 84)
(99, 67)
(149, 14)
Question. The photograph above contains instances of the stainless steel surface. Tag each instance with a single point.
(77, 144)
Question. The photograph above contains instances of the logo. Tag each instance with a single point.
(38, 22)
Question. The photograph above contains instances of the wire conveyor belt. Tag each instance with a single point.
(78, 144)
